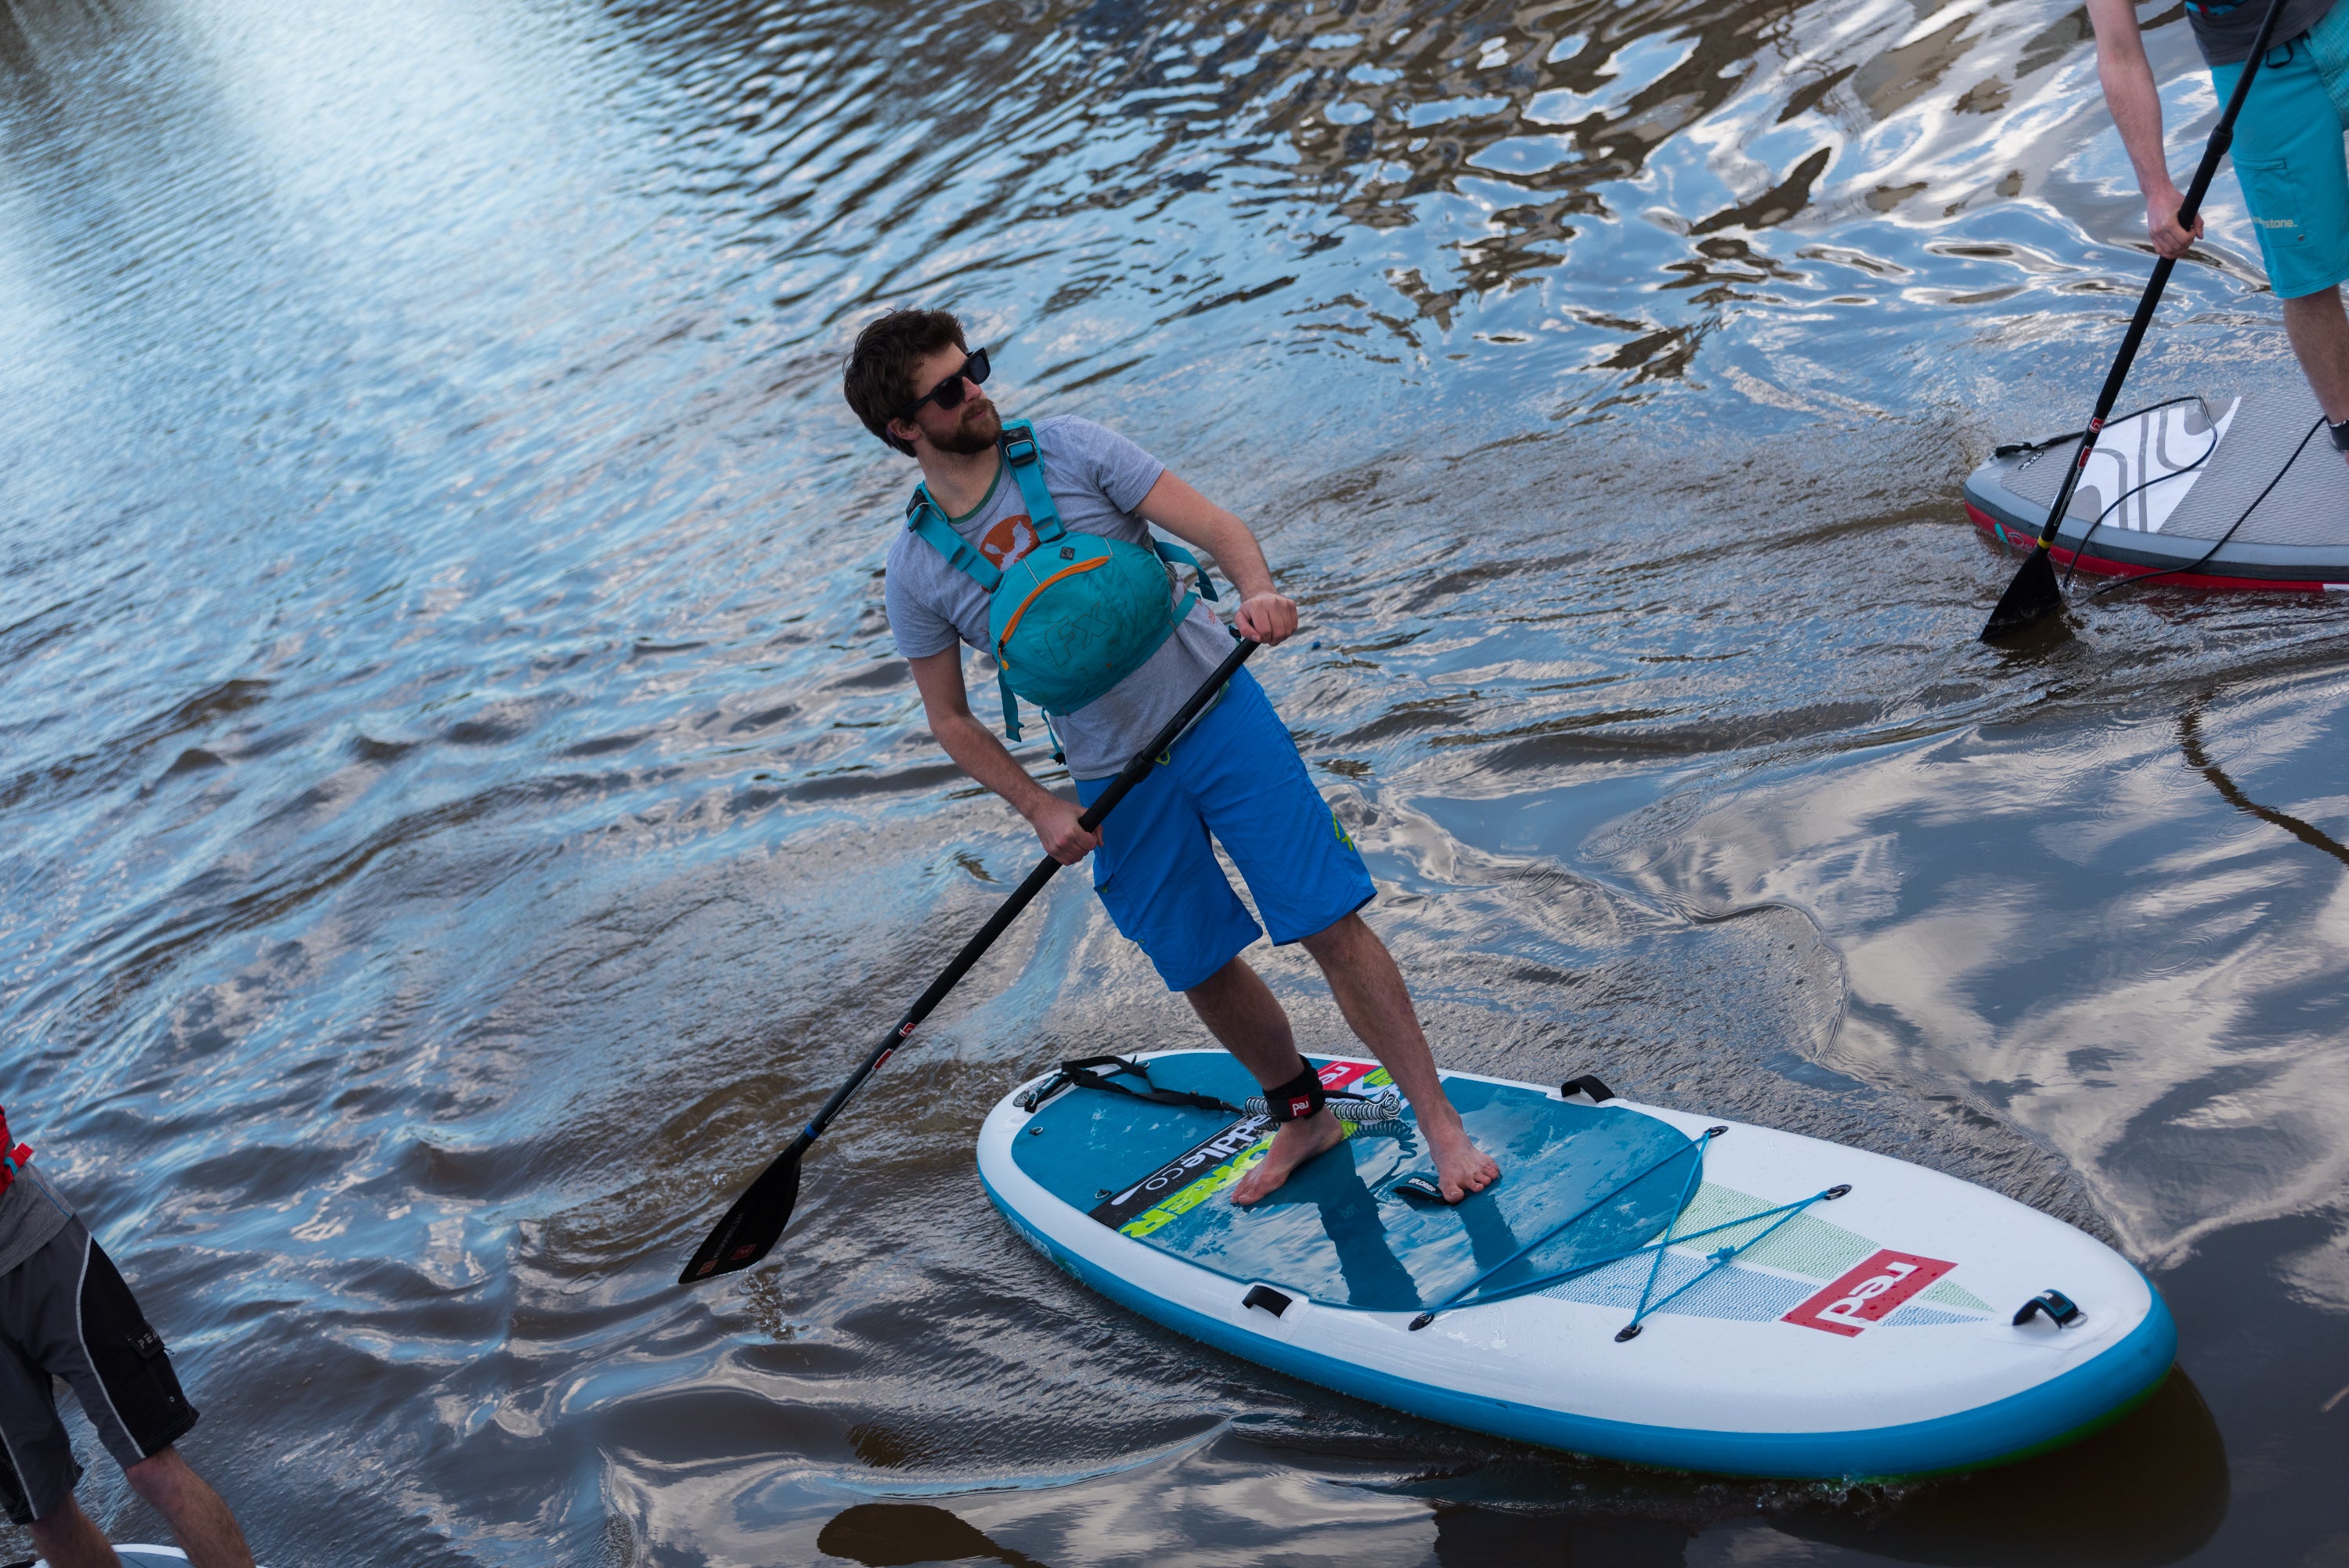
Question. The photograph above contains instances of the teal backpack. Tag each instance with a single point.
(1077, 613)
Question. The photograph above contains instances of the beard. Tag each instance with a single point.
(978, 428)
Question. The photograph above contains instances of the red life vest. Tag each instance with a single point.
(11, 1160)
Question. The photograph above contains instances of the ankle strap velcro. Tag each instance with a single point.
(1300, 1097)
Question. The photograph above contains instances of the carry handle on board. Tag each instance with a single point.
(2034, 593)
(756, 1222)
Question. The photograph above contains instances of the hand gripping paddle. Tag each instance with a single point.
(2035, 593)
(756, 1222)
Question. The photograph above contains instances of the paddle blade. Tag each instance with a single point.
(2031, 598)
(753, 1225)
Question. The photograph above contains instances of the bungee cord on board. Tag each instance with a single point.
(2082, 548)
(2208, 555)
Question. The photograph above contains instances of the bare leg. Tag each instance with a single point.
(206, 1530)
(1371, 992)
(2320, 337)
(69, 1540)
(1240, 1010)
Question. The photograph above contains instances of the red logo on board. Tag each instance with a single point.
(1868, 1293)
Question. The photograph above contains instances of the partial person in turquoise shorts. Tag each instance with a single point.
(1234, 778)
(2287, 153)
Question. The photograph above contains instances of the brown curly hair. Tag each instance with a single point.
(879, 381)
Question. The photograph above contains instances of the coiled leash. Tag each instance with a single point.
(1302, 1098)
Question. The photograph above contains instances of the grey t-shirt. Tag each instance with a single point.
(1096, 478)
(31, 1211)
(2226, 31)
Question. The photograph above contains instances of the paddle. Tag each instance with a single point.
(755, 1223)
(2034, 593)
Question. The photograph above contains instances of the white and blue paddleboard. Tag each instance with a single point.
(1642, 1283)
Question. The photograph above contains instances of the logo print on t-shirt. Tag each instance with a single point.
(1009, 539)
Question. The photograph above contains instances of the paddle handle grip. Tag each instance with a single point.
(2222, 137)
(1025, 894)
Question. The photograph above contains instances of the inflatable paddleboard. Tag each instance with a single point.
(2231, 492)
(1642, 1283)
(135, 1555)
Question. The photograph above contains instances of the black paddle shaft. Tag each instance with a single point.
(2025, 603)
(756, 1222)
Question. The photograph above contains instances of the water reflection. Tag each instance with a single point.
(459, 798)
(1466, 1536)
(2189, 741)
(897, 1534)
(2149, 1490)
(1261, 151)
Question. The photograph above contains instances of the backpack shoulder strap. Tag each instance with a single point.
(1176, 555)
(1027, 460)
(924, 517)
(1019, 450)
(927, 521)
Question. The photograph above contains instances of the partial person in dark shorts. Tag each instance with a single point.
(65, 1312)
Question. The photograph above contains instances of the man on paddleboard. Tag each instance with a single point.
(1235, 774)
(2287, 152)
(65, 1312)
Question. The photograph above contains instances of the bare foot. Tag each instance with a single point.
(1293, 1145)
(1460, 1168)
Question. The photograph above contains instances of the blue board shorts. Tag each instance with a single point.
(2288, 158)
(1235, 776)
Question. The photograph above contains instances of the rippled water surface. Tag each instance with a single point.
(461, 806)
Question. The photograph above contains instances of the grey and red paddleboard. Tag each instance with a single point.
(2243, 493)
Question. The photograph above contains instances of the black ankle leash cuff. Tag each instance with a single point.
(1299, 1098)
(2340, 434)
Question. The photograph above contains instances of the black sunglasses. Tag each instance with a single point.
(949, 393)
